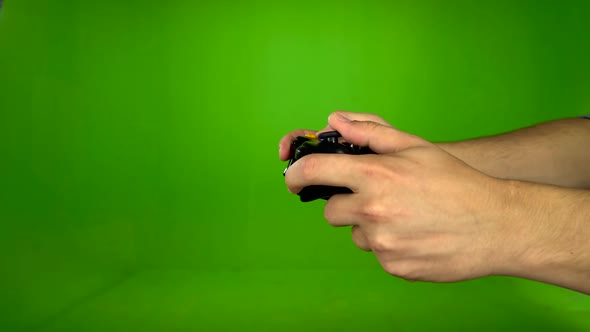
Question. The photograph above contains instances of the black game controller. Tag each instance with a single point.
(324, 143)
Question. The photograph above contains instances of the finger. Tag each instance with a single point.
(355, 117)
(360, 117)
(378, 137)
(360, 239)
(285, 142)
(340, 210)
(319, 169)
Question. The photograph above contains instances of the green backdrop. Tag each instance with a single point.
(141, 188)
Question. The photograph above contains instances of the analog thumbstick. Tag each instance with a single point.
(330, 136)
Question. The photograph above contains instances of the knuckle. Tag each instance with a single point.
(381, 243)
(400, 269)
(389, 267)
(330, 216)
(405, 272)
(371, 170)
(308, 166)
(380, 172)
(359, 239)
(374, 212)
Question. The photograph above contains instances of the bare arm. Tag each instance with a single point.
(545, 232)
(429, 216)
(555, 248)
(555, 153)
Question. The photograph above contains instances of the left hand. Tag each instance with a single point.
(425, 214)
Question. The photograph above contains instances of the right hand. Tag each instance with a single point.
(424, 214)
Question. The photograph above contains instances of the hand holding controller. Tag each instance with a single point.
(324, 143)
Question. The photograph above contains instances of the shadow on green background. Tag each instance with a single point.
(141, 185)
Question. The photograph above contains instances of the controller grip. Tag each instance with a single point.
(311, 193)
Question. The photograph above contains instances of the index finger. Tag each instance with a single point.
(320, 169)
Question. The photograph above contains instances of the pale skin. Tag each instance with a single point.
(515, 204)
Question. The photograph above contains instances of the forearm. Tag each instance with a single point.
(546, 235)
(552, 153)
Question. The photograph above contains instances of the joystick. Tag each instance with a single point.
(326, 142)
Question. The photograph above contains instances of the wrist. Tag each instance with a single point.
(507, 247)
(545, 232)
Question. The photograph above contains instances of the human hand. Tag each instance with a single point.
(285, 142)
(425, 214)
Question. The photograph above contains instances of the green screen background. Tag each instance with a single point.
(141, 188)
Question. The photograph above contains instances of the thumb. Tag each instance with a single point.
(378, 137)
